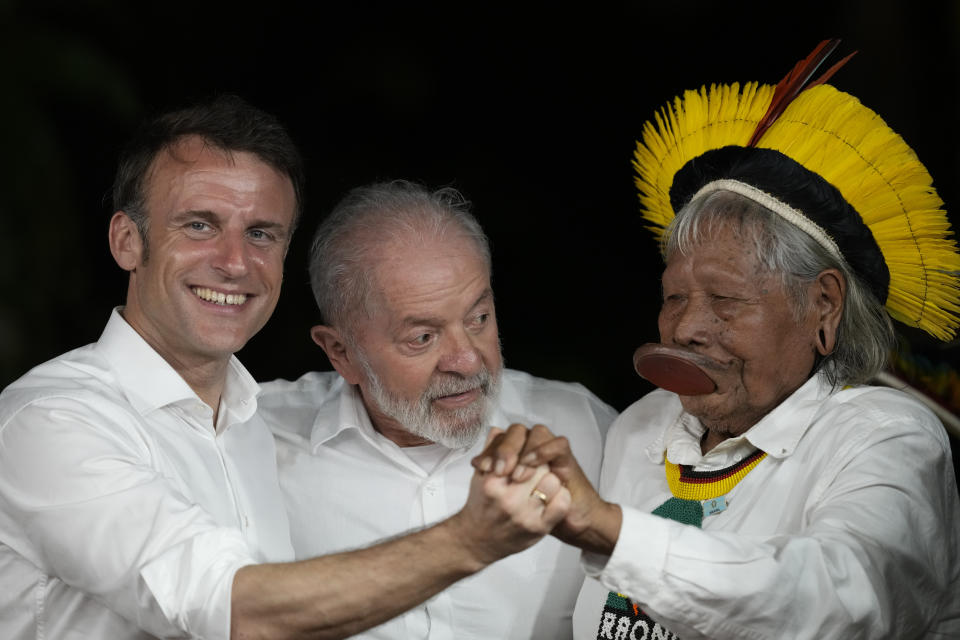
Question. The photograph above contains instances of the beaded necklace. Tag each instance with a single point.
(696, 494)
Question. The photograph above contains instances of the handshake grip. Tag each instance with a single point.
(519, 456)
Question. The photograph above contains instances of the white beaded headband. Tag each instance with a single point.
(785, 211)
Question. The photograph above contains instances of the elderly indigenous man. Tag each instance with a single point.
(773, 493)
(138, 491)
(383, 445)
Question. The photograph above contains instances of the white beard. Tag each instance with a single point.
(453, 429)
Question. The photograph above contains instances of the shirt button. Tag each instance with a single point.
(431, 489)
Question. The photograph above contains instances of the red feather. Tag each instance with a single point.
(795, 82)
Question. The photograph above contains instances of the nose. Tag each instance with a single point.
(231, 258)
(460, 355)
(686, 323)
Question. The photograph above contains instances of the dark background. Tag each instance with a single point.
(530, 109)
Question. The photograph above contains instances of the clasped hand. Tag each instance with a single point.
(517, 455)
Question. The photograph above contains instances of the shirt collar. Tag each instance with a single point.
(778, 433)
(239, 393)
(149, 382)
(348, 412)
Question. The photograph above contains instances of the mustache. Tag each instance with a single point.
(452, 384)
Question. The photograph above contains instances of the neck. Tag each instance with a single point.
(205, 375)
(711, 439)
(720, 431)
(207, 381)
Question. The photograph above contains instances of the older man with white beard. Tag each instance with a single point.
(383, 445)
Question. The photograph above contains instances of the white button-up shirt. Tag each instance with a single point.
(849, 528)
(122, 512)
(347, 486)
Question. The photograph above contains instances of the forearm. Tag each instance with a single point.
(601, 531)
(342, 594)
(814, 584)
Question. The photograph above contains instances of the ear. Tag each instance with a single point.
(340, 355)
(829, 292)
(126, 245)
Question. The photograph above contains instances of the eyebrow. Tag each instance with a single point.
(434, 321)
(203, 214)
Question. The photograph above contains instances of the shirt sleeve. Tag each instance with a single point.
(603, 413)
(874, 559)
(80, 498)
(587, 435)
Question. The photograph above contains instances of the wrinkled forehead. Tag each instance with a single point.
(387, 246)
(721, 257)
(730, 234)
(426, 265)
(179, 157)
(185, 152)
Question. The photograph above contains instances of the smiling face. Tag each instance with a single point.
(719, 303)
(219, 226)
(429, 357)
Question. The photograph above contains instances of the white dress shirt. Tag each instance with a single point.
(849, 528)
(122, 512)
(347, 486)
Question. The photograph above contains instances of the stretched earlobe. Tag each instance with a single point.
(824, 346)
(830, 291)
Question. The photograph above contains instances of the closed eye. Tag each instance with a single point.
(726, 307)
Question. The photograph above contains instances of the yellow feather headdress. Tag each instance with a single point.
(833, 135)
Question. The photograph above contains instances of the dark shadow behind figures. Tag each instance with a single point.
(532, 111)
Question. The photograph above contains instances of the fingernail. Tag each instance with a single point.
(501, 465)
(518, 471)
(529, 458)
(485, 465)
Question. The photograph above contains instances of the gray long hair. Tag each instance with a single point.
(346, 242)
(865, 336)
